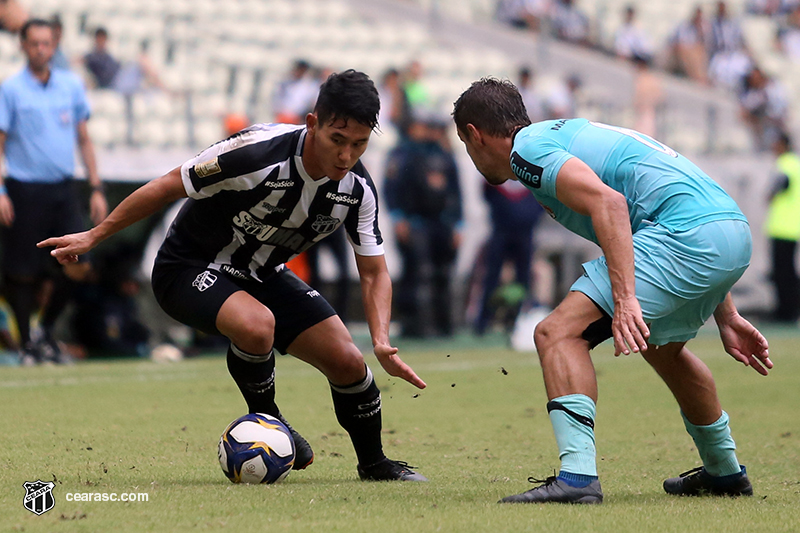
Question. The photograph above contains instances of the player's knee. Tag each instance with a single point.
(346, 365)
(256, 334)
(545, 335)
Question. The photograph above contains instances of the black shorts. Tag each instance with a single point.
(41, 210)
(194, 295)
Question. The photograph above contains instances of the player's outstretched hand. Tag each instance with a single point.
(745, 343)
(394, 366)
(628, 327)
(69, 247)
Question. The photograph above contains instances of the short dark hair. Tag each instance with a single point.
(30, 23)
(100, 31)
(346, 95)
(494, 106)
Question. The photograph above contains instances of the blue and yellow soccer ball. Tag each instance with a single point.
(256, 448)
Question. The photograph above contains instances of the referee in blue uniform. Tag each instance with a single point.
(43, 113)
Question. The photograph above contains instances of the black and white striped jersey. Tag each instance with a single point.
(252, 206)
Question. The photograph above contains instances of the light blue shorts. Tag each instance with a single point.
(681, 277)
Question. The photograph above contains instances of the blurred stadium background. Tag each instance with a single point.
(221, 58)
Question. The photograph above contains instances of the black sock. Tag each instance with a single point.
(22, 300)
(255, 376)
(63, 287)
(358, 409)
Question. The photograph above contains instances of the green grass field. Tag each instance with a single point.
(478, 431)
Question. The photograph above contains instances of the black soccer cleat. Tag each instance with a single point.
(303, 454)
(698, 482)
(388, 470)
(554, 490)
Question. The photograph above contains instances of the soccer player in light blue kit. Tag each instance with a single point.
(674, 244)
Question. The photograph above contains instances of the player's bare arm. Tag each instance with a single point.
(580, 189)
(98, 207)
(741, 339)
(376, 293)
(143, 202)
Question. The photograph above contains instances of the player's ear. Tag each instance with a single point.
(474, 134)
(311, 122)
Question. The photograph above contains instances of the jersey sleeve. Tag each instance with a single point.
(232, 164)
(536, 164)
(362, 225)
(81, 108)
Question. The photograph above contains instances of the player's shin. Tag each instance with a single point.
(715, 446)
(572, 417)
(255, 376)
(358, 409)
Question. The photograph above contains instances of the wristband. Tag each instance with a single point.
(99, 187)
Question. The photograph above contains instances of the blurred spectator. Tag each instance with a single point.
(764, 107)
(630, 40)
(514, 213)
(530, 96)
(528, 14)
(783, 229)
(38, 197)
(295, 96)
(689, 47)
(59, 58)
(415, 89)
(233, 123)
(648, 97)
(106, 319)
(395, 108)
(424, 199)
(336, 244)
(562, 102)
(726, 32)
(730, 58)
(569, 22)
(12, 15)
(788, 36)
(100, 63)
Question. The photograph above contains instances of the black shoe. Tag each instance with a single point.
(303, 454)
(698, 482)
(554, 490)
(29, 355)
(53, 352)
(388, 470)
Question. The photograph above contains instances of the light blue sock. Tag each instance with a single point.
(715, 446)
(572, 417)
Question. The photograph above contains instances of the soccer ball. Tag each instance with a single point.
(256, 448)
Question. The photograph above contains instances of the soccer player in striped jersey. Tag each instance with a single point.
(674, 244)
(256, 200)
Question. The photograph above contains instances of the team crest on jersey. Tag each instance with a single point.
(204, 281)
(208, 168)
(526, 172)
(38, 496)
(325, 224)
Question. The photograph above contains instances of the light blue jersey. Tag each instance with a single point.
(691, 242)
(661, 186)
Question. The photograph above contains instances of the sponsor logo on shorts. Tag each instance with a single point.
(341, 198)
(526, 172)
(235, 272)
(208, 168)
(204, 281)
(325, 224)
